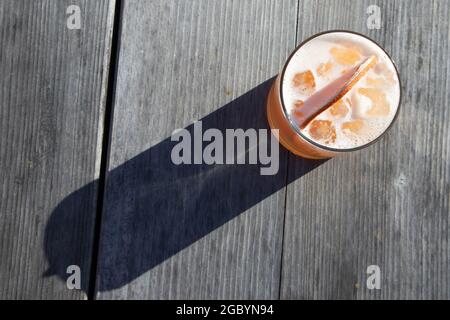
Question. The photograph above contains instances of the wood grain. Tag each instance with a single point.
(52, 94)
(387, 205)
(200, 231)
(193, 231)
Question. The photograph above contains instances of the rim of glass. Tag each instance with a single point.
(295, 126)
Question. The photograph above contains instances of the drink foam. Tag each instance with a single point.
(380, 87)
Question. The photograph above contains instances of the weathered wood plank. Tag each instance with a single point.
(193, 231)
(52, 99)
(387, 205)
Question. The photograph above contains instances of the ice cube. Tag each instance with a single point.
(297, 111)
(345, 56)
(383, 70)
(304, 82)
(323, 130)
(324, 68)
(380, 105)
(376, 82)
(298, 104)
(340, 108)
(354, 126)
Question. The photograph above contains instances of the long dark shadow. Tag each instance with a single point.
(154, 208)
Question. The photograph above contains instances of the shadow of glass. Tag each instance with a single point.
(154, 209)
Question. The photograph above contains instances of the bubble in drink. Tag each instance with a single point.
(364, 112)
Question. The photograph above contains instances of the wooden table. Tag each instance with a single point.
(86, 179)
